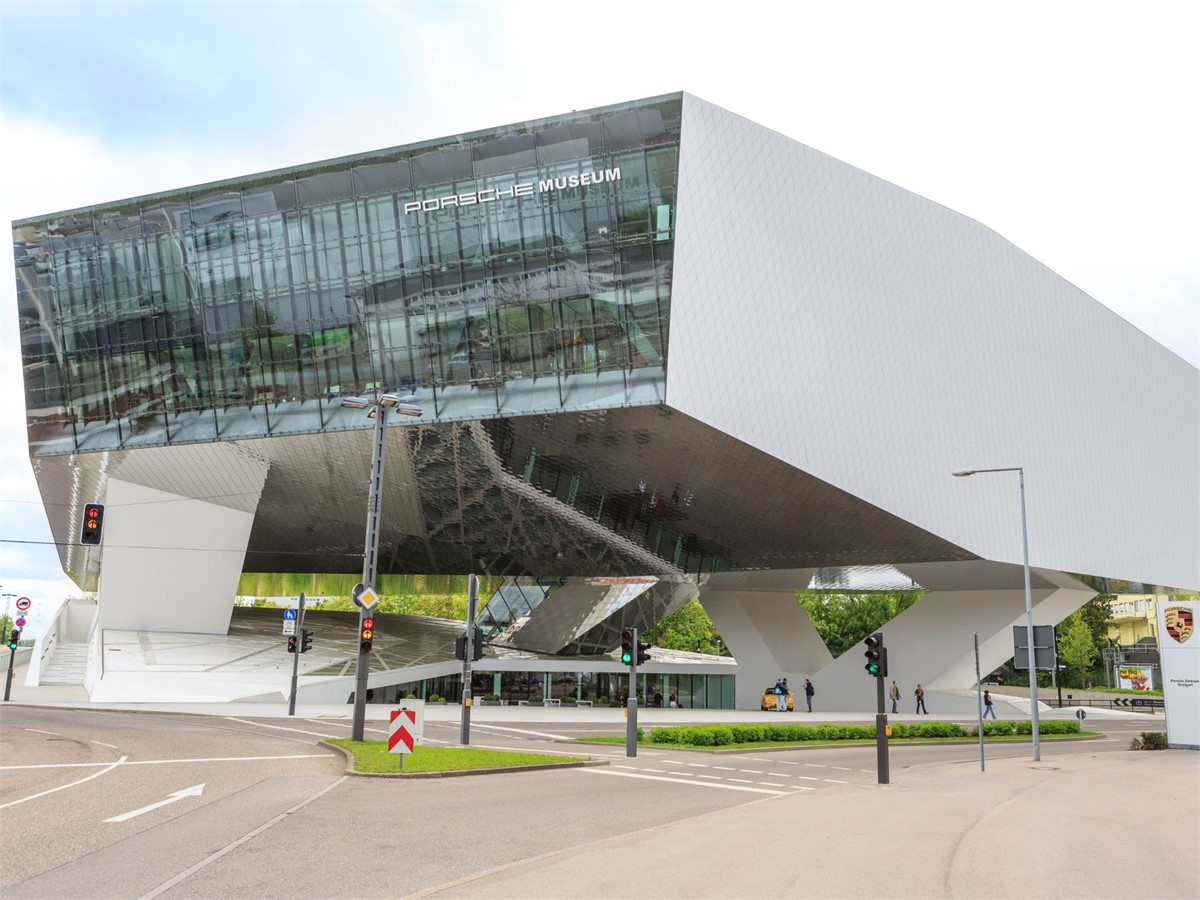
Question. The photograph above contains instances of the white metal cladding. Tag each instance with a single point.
(880, 341)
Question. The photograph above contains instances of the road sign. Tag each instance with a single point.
(364, 596)
(289, 626)
(1043, 647)
(289, 614)
(1081, 714)
(23, 603)
(401, 735)
(20, 621)
(1152, 702)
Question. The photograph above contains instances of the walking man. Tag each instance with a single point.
(987, 702)
(919, 693)
(894, 694)
(809, 690)
(780, 696)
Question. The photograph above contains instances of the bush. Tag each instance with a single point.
(939, 730)
(1149, 740)
(568, 701)
(410, 696)
(536, 698)
(491, 698)
(600, 701)
(433, 698)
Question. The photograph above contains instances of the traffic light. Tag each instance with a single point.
(460, 647)
(643, 652)
(305, 640)
(14, 639)
(368, 633)
(477, 646)
(876, 655)
(627, 647)
(93, 523)
(292, 644)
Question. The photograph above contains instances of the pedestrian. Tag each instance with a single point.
(787, 691)
(809, 690)
(780, 696)
(894, 693)
(919, 693)
(674, 703)
(987, 702)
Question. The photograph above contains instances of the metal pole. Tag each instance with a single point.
(881, 741)
(1057, 683)
(12, 655)
(370, 556)
(1033, 687)
(631, 702)
(464, 734)
(979, 702)
(296, 655)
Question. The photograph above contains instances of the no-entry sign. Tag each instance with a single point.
(23, 603)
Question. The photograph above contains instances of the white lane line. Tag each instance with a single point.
(781, 775)
(114, 746)
(615, 765)
(194, 791)
(834, 781)
(545, 734)
(163, 762)
(732, 769)
(705, 765)
(692, 775)
(705, 784)
(819, 766)
(872, 771)
(63, 787)
(756, 771)
(279, 727)
(844, 768)
(55, 733)
(187, 873)
(663, 771)
(785, 762)
(800, 787)
(773, 784)
(713, 777)
(812, 778)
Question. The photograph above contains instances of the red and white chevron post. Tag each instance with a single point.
(403, 728)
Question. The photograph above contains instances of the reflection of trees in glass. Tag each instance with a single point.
(1076, 649)
(689, 628)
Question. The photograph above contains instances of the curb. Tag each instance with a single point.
(350, 770)
(825, 745)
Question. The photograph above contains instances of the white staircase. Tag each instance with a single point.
(67, 665)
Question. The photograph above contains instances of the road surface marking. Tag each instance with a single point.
(743, 780)
(781, 775)
(732, 769)
(663, 771)
(848, 769)
(714, 777)
(211, 858)
(545, 734)
(194, 791)
(773, 784)
(786, 762)
(634, 767)
(834, 781)
(63, 787)
(55, 733)
(750, 771)
(811, 778)
(705, 784)
(164, 762)
(280, 727)
(800, 787)
(705, 765)
(114, 746)
(819, 766)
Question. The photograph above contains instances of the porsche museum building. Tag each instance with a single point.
(661, 352)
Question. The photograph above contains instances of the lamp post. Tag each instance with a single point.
(1033, 692)
(379, 408)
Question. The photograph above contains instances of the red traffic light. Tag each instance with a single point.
(368, 628)
(93, 523)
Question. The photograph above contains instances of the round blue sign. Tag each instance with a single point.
(289, 614)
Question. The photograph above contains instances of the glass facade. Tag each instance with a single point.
(518, 270)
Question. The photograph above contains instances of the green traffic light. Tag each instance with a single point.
(626, 658)
(872, 668)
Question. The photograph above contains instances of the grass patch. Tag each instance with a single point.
(373, 756)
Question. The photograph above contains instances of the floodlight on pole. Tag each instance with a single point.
(1033, 693)
(379, 412)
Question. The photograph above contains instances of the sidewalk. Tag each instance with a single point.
(1079, 825)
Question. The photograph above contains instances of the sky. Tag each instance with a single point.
(1069, 128)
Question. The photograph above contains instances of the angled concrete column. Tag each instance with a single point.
(765, 628)
(932, 642)
(172, 558)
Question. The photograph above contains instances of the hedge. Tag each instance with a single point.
(724, 735)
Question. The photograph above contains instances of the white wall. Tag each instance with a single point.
(880, 341)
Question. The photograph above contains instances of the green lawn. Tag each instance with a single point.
(372, 756)
(795, 745)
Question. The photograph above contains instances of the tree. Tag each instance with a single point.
(689, 628)
(1077, 648)
(844, 619)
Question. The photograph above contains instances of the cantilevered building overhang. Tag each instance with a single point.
(652, 340)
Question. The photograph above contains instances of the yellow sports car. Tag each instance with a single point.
(770, 700)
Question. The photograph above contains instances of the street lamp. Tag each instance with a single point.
(1033, 695)
(378, 407)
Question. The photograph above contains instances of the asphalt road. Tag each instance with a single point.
(91, 806)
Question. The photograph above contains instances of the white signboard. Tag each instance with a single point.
(289, 627)
(417, 706)
(1179, 650)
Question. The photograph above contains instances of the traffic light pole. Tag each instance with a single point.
(881, 738)
(370, 559)
(12, 655)
(296, 655)
(631, 703)
(464, 734)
